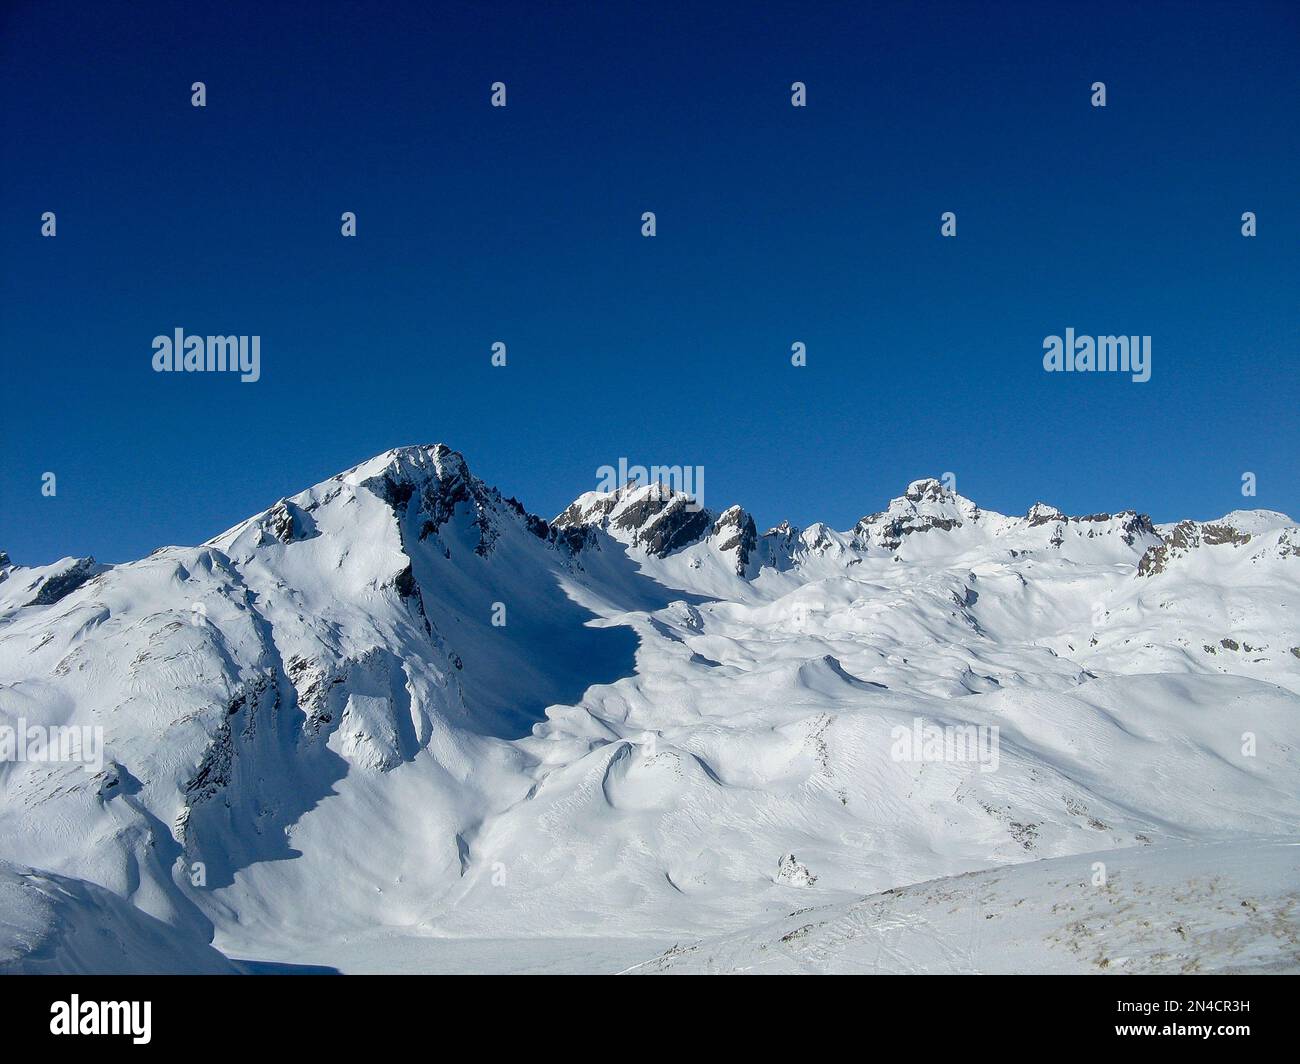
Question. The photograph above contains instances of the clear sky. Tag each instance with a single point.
(775, 224)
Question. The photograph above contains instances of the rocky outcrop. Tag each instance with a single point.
(652, 517)
(735, 530)
(662, 525)
(925, 506)
(287, 522)
(1185, 537)
(1041, 514)
(64, 583)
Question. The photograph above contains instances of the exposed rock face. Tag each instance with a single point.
(427, 485)
(662, 522)
(57, 586)
(442, 482)
(1132, 524)
(735, 530)
(1213, 535)
(1153, 561)
(891, 533)
(926, 505)
(581, 512)
(287, 522)
(1188, 536)
(1041, 514)
(652, 517)
(1128, 526)
(927, 490)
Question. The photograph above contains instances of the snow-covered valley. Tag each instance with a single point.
(395, 722)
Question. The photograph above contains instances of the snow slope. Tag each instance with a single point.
(54, 925)
(398, 701)
(1208, 908)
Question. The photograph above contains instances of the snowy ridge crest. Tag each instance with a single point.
(396, 687)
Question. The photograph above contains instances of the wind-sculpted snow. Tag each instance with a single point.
(55, 925)
(398, 699)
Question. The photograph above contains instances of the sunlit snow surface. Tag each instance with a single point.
(1208, 908)
(321, 751)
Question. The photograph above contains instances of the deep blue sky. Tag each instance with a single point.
(523, 225)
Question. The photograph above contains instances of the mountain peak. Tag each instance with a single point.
(928, 489)
(651, 516)
(367, 673)
(1041, 514)
(411, 462)
(929, 497)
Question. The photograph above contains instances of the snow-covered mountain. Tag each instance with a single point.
(396, 714)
